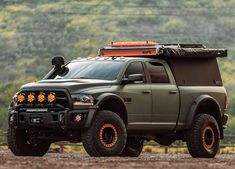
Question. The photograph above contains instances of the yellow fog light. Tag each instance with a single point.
(41, 97)
(31, 97)
(21, 97)
(51, 97)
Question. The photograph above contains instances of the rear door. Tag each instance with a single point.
(165, 96)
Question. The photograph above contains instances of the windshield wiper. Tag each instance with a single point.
(85, 78)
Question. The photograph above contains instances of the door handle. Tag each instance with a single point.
(172, 92)
(146, 91)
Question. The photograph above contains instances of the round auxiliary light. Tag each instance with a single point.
(21, 97)
(41, 97)
(51, 97)
(77, 118)
(31, 97)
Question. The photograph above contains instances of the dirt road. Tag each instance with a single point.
(82, 160)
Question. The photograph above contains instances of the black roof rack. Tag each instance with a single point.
(184, 45)
(147, 49)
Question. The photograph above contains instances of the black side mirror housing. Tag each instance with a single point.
(133, 78)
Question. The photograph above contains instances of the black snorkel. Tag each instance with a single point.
(57, 62)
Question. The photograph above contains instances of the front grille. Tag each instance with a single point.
(61, 101)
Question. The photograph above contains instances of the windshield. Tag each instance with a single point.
(103, 70)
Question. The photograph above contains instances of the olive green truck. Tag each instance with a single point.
(131, 92)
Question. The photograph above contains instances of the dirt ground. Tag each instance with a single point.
(146, 160)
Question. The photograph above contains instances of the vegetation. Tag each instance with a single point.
(32, 32)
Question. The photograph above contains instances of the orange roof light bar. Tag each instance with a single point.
(133, 43)
(152, 52)
(128, 49)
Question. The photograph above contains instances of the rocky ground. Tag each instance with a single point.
(146, 160)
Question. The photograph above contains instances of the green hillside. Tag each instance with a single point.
(32, 32)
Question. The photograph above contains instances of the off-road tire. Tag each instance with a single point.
(20, 146)
(203, 138)
(134, 147)
(106, 136)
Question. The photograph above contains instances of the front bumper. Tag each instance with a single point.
(52, 120)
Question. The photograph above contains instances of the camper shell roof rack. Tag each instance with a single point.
(163, 51)
(185, 45)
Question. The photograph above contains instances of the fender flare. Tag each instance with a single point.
(195, 106)
(105, 96)
(101, 99)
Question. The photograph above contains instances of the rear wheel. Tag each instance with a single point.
(106, 136)
(204, 137)
(133, 148)
(20, 144)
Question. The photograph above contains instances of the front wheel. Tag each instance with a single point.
(20, 144)
(133, 148)
(106, 136)
(204, 137)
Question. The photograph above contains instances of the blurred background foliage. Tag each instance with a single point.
(32, 32)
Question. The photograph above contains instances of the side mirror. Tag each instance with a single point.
(133, 78)
(57, 61)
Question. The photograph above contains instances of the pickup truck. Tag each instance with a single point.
(131, 92)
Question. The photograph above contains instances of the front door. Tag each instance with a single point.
(137, 97)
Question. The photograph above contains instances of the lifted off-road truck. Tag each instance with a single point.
(134, 91)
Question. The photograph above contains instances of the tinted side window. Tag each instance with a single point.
(135, 68)
(157, 73)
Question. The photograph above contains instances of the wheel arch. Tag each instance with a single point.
(114, 103)
(207, 105)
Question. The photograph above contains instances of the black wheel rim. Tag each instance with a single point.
(108, 135)
(208, 137)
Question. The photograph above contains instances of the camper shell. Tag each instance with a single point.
(187, 61)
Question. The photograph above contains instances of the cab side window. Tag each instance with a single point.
(135, 68)
(157, 72)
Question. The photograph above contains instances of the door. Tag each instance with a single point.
(165, 96)
(137, 97)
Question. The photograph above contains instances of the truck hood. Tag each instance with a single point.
(72, 85)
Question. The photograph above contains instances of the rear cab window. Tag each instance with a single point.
(157, 73)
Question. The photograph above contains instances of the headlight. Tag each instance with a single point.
(83, 100)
